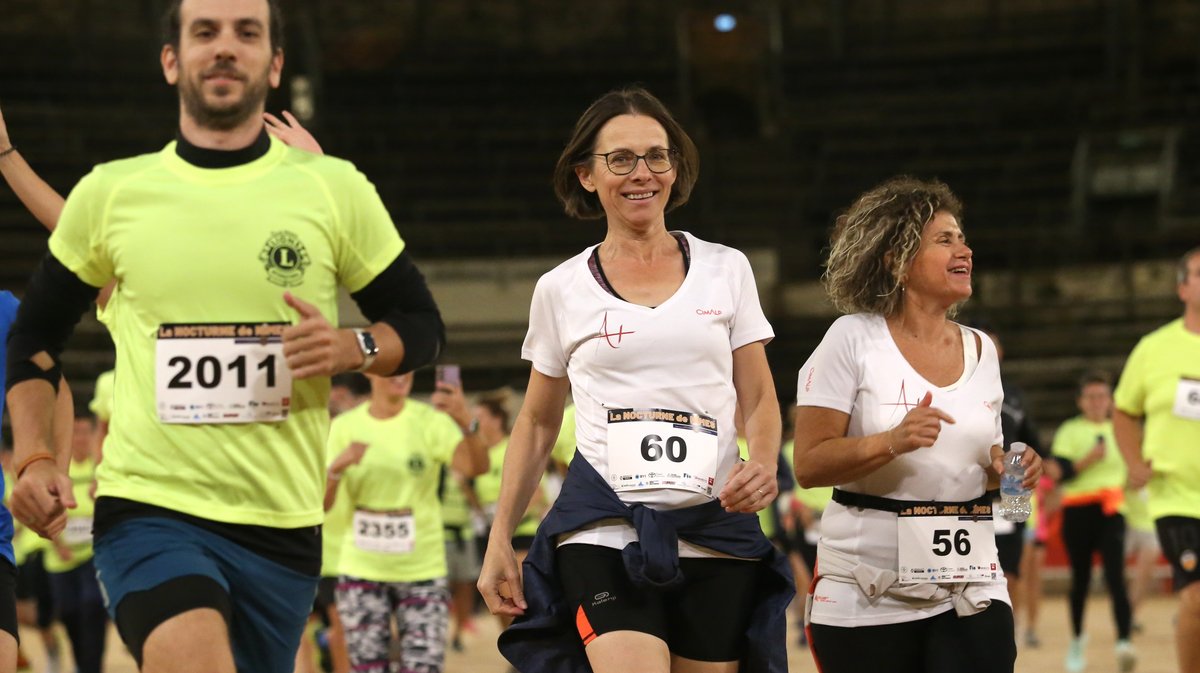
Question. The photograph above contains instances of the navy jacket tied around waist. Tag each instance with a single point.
(544, 639)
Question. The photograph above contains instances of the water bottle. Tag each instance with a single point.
(1014, 498)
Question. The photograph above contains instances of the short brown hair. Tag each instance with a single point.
(1181, 271)
(1093, 377)
(172, 25)
(496, 402)
(582, 204)
(875, 240)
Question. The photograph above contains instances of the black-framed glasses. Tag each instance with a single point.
(623, 162)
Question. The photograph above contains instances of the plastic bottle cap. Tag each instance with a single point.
(1018, 447)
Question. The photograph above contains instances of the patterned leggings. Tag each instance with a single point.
(422, 612)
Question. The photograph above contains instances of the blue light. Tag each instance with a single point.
(724, 23)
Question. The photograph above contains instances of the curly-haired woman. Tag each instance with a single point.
(899, 409)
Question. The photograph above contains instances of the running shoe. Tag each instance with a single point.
(1126, 656)
(1076, 662)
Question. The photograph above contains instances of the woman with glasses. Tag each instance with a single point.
(898, 409)
(651, 558)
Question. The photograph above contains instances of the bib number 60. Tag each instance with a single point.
(942, 545)
(653, 448)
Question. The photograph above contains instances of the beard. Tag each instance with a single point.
(226, 115)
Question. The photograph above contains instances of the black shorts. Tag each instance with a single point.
(8, 598)
(1179, 537)
(945, 643)
(704, 619)
(1010, 547)
(33, 584)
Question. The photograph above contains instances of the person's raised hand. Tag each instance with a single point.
(920, 427)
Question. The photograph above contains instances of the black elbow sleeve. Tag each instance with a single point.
(399, 297)
(54, 302)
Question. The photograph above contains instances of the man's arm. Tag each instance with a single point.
(40, 404)
(406, 325)
(1129, 431)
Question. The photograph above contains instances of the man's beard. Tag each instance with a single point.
(226, 116)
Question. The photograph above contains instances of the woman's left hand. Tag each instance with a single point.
(750, 487)
(1033, 467)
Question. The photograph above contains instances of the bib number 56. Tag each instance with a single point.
(943, 545)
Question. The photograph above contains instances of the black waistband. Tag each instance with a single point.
(892, 505)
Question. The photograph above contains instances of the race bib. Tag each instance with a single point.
(385, 532)
(78, 531)
(1187, 399)
(661, 448)
(947, 544)
(222, 373)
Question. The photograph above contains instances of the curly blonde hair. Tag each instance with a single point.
(875, 240)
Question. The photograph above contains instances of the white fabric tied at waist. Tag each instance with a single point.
(968, 598)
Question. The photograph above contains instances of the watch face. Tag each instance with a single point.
(367, 343)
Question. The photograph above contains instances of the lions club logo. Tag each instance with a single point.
(285, 259)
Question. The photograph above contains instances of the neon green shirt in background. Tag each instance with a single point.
(766, 520)
(1137, 511)
(337, 521)
(1074, 439)
(102, 396)
(82, 472)
(815, 498)
(564, 446)
(1171, 443)
(25, 541)
(399, 471)
(193, 245)
(487, 488)
(456, 510)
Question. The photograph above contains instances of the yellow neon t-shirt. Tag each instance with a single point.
(397, 475)
(102, 396)
(189, 245)
(77, 537)
(1162, 363)
(564, 446)
(487, 489)
(1074, 440)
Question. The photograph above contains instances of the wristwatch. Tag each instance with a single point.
(366, 343)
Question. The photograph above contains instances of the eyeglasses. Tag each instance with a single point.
(623, 162)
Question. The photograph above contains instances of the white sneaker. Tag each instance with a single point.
(1126, 656)
(1076, 662)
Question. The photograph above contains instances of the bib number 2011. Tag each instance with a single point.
(654, 448)
(944, 543)
(208, 372)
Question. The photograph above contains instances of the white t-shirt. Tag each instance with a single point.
(623, 358)
(858, 369)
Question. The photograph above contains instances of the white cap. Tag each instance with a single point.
(1018, 447)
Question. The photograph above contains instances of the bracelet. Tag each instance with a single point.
(10, 150)
(333, 476)
(41, 455)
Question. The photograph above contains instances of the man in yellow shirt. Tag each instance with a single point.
(227, 248)
(1157, 426)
